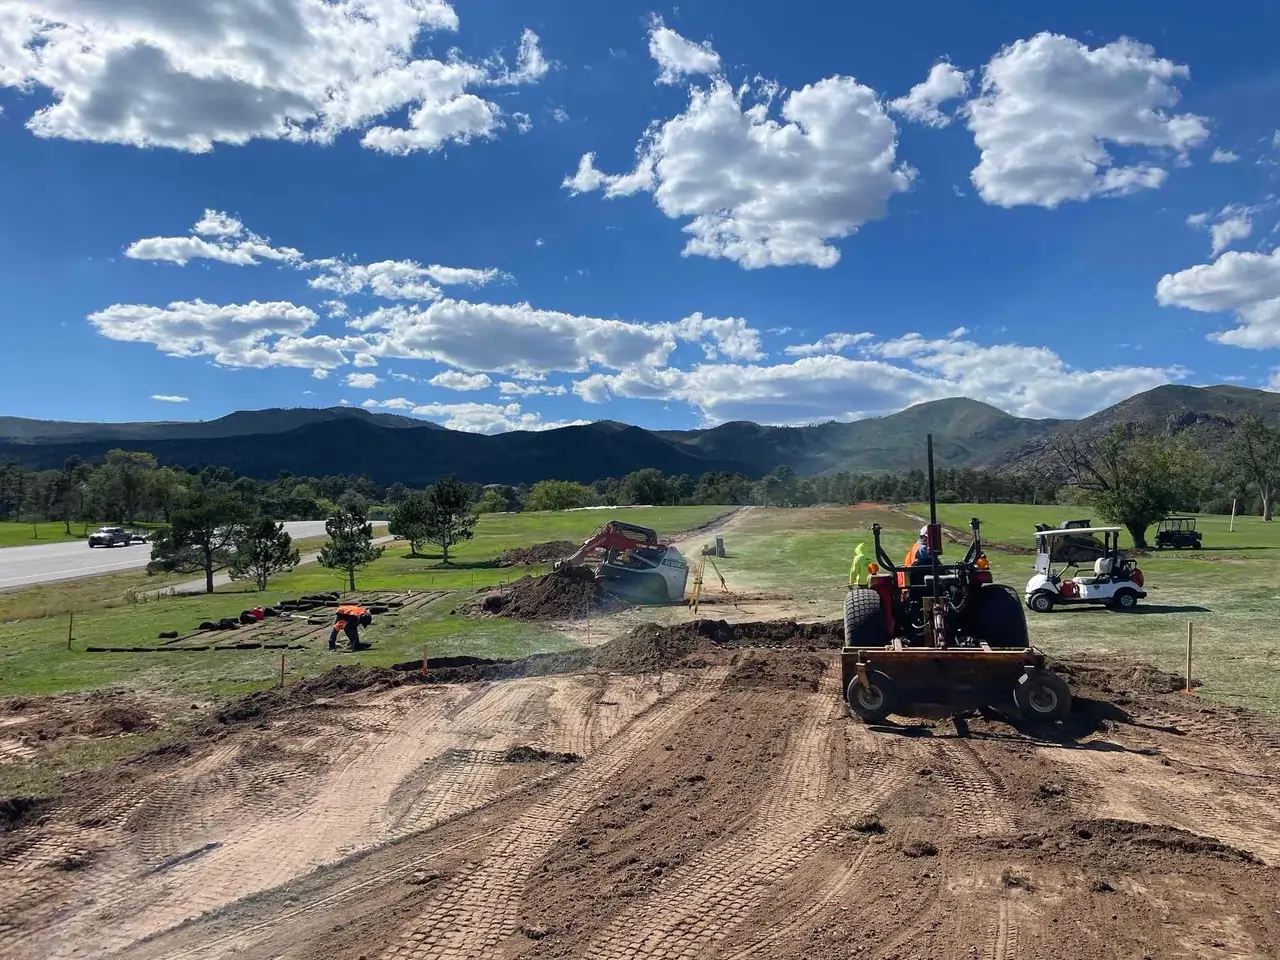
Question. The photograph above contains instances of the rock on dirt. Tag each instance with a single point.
(547, 552)
(566, 594)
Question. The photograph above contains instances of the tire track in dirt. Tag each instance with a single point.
(980, 804)
(472, 915)
(267, 850)
(694, 910)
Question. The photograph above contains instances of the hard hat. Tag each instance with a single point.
(924, 531)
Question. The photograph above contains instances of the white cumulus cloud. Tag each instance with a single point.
(486, 418)
(677, 57)
(1223, 156)
(189, 75)
(945, 82)
(362, 381)
(1050, 105)
(230, 243)
(1246, 284)
(457, 380)
(760, 191)
(169, 398)
(831, 343)
(395, 279)
(1027, 381)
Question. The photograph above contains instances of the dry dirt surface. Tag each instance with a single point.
(686, 795)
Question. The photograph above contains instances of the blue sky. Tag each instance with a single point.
(503, 216)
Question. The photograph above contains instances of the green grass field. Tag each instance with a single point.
(34, 656)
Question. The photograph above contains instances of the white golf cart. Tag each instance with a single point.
(1116, 582)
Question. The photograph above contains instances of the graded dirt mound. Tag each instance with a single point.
(563, 595)
(775, 670)
(651, 647)
(347, 678)
(1115, 679)
(538, 553)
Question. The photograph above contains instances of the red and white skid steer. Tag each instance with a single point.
(634, 564)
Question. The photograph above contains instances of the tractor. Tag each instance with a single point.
(934, 635)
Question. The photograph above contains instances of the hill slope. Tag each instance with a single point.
(242, 423)
(966, 432)
(390, 448)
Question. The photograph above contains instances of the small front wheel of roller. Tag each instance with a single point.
(875, 701)
(1042, 697)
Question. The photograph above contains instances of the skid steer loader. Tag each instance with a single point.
(937, 636)
(633, 563)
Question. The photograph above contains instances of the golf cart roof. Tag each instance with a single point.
(1077, 531)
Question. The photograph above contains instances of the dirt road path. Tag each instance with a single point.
(726, 808)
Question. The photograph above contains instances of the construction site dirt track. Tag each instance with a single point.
(687, 792)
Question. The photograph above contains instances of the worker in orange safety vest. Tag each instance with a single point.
(917, 555)
(348, 619)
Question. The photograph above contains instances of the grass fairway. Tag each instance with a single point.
(1230, 590)
(34, 656)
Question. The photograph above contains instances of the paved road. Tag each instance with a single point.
(24, 566)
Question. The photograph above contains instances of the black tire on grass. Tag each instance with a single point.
(999, 619)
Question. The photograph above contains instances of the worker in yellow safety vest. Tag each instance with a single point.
(860, 571)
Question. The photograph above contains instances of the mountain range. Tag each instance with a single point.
(390, 448)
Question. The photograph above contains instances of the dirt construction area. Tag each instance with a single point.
(687, 792)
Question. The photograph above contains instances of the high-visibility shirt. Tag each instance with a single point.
(351, 610)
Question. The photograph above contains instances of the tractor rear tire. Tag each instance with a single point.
(999, 619)
(1042, 697)
(876, 703)
(864, 619)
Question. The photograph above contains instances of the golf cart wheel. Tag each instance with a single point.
(1041, 602)
(998, 618)
(875, 701)
(1042, 697)
(863, 619)
(1125, 600)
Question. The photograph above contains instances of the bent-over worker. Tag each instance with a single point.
(348, 619)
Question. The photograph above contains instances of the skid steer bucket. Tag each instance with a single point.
(955, 640)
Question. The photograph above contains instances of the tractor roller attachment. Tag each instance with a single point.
(879, 681)
(928, 636)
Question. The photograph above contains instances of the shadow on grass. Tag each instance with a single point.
(1141, 608)
(452, 564)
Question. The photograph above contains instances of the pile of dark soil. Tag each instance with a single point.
(526, 754)
(15, 810)
(1123, 844)
(117, 718)
(1116, 679)
(563, 595)
(538, 553)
